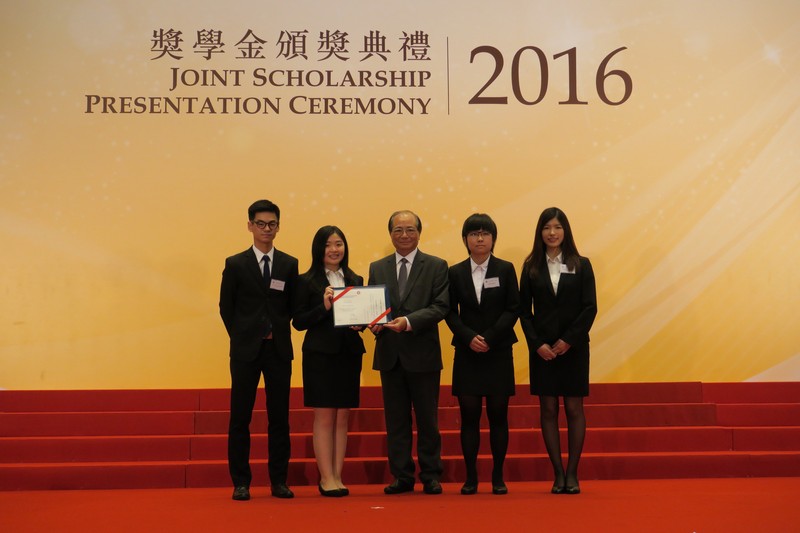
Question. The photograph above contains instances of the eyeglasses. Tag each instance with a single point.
(408, 231)
(481, 234)
(272, 224)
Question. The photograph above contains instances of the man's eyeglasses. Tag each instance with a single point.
(272, 224)
(408, 231)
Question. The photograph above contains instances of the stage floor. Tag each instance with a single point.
(672, 505)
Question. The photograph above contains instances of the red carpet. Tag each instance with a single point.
(686, 505)
(177, 438)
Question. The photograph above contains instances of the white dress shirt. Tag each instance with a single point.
(410, 258)
(335, 278)
(260, 256)
(478, 275)
(554, 266)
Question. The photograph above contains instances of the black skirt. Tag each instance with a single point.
(566, 375)
(331, 380)
(483, 374)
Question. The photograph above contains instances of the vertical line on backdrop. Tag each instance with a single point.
(448, 74)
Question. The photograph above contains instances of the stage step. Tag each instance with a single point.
(177, 438)
(373, 444)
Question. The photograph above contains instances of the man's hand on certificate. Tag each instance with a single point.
(399, 324)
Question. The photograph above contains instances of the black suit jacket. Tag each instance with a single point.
(567, 315)
(247, 306)
(311, 315)
(495, 316)
(425, 304)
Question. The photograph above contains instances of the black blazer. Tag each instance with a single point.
(568, 315)
(495, 316)
(246, 305)
(425, 304)
(311, 315)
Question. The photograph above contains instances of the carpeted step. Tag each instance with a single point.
(527, 467)
(363, 419)
(760, 414)
(761, 392)
(177, 438)
(219, 399)
(366, 444)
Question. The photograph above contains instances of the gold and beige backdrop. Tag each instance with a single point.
(117, 210)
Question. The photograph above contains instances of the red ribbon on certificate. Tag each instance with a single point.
(388, 310)
(344, 291)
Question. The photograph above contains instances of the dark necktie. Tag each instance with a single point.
(267, 275)
(402, 277)
(267, 281)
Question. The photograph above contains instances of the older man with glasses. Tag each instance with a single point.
(408, 354)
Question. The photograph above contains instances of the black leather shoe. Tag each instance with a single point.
(470, 487)
(398, 486)
(572, 489)
(432, 487)
(499, 488)
(282, 491)
(332, 493)
(241, 493)
(557, 489)
(345, 491)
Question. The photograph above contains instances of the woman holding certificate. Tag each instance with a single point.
(559, 285)
(484, 306)
(331, 355)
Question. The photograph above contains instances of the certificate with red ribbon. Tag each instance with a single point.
(361, 306)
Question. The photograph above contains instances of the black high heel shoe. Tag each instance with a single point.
(470, 487)
(572, 489)
(499, 488)
(333, 493)
(559, 485)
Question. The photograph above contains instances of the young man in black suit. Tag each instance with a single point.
(408, 354)
(254, 303)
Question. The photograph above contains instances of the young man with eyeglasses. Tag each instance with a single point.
(255, 305)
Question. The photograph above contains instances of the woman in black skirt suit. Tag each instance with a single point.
(484, 306)
(331, 355)
(560, 286)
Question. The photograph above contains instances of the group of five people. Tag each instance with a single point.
(262, 293)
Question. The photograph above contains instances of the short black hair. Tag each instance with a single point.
(263, 206)
(478, 222)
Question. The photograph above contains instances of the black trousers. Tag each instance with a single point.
(245, 376)
(402, 391)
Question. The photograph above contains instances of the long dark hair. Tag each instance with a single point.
(318, 252)
(537, 259)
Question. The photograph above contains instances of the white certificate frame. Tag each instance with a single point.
(361, 305)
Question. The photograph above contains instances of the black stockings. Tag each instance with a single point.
(497, 413)
(576, 433)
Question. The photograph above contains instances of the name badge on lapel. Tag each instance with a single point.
(277, 285)
(490, 283)
(565, 270)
